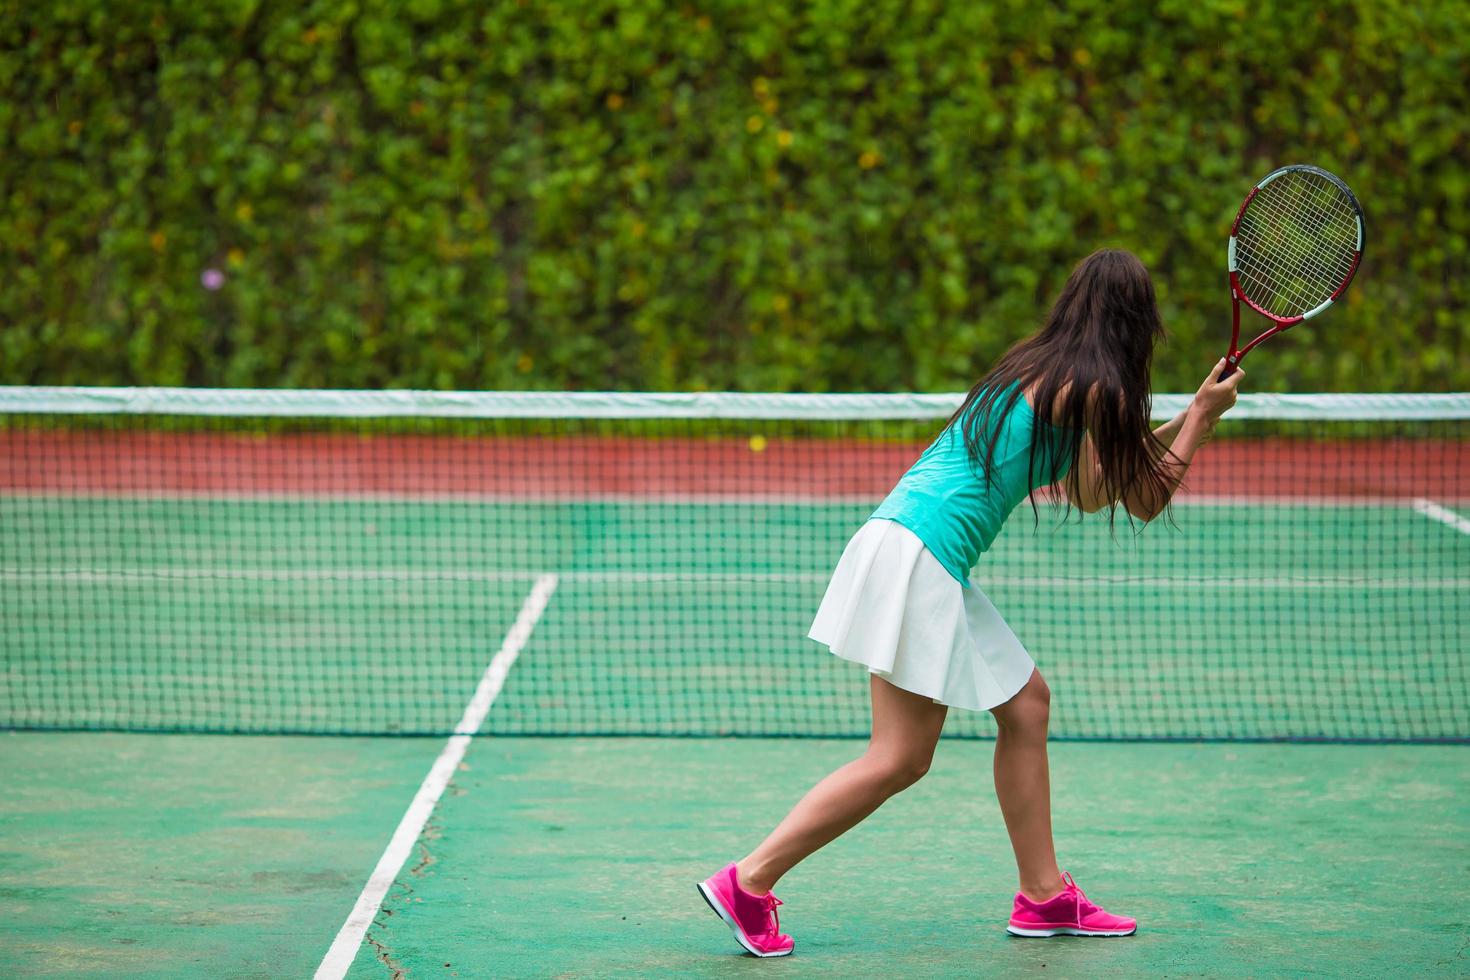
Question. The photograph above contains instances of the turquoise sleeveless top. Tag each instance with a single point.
(946, 501)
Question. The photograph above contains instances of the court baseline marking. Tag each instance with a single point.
(1444, 515)
(344, 948)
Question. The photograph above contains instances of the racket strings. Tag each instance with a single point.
(1272, 262)
(1315, 236)
(1319, 217)
(1305, 243)
(1296, 244)
(1295, 269)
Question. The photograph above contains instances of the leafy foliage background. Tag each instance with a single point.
(824, 195)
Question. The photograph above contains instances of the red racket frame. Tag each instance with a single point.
(1279, 323)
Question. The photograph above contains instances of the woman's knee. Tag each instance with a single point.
(1029, 710)
(898, 771)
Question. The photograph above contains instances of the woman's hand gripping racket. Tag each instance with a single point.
(1294, 248)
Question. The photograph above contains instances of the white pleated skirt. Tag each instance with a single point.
(893, 608)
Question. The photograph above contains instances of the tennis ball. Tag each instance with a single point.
(757, 444)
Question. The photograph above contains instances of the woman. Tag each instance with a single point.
(1071, 405)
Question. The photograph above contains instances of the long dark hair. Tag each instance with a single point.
(1089, 365)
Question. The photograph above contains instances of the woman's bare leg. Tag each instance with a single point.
(1023, 786)
(906, 727)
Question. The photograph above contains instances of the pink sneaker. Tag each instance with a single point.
(1068, 914)
(752, 918)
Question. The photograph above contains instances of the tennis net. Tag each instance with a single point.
(641, 564)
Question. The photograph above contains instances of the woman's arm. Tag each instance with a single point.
(1182, 435)
(1085, 483)
(1195, 426)
(1167, 432)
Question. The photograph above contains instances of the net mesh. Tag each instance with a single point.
(1296, 243)
(334, 562)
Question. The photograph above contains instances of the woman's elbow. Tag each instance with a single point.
(1085, 503)
(1144, 513)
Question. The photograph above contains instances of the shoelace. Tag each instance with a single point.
(1084, 905)
(771, 901)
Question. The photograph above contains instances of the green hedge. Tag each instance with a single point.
(840, 194)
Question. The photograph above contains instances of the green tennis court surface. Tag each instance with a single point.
(191, 856)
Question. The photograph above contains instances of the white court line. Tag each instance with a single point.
(991, 578)
(344, 948)
(990, 581)
(126, 576)
(1444, 515)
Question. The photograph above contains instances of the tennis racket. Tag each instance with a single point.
(1294, 248)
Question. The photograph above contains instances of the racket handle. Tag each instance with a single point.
(1230, 364)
